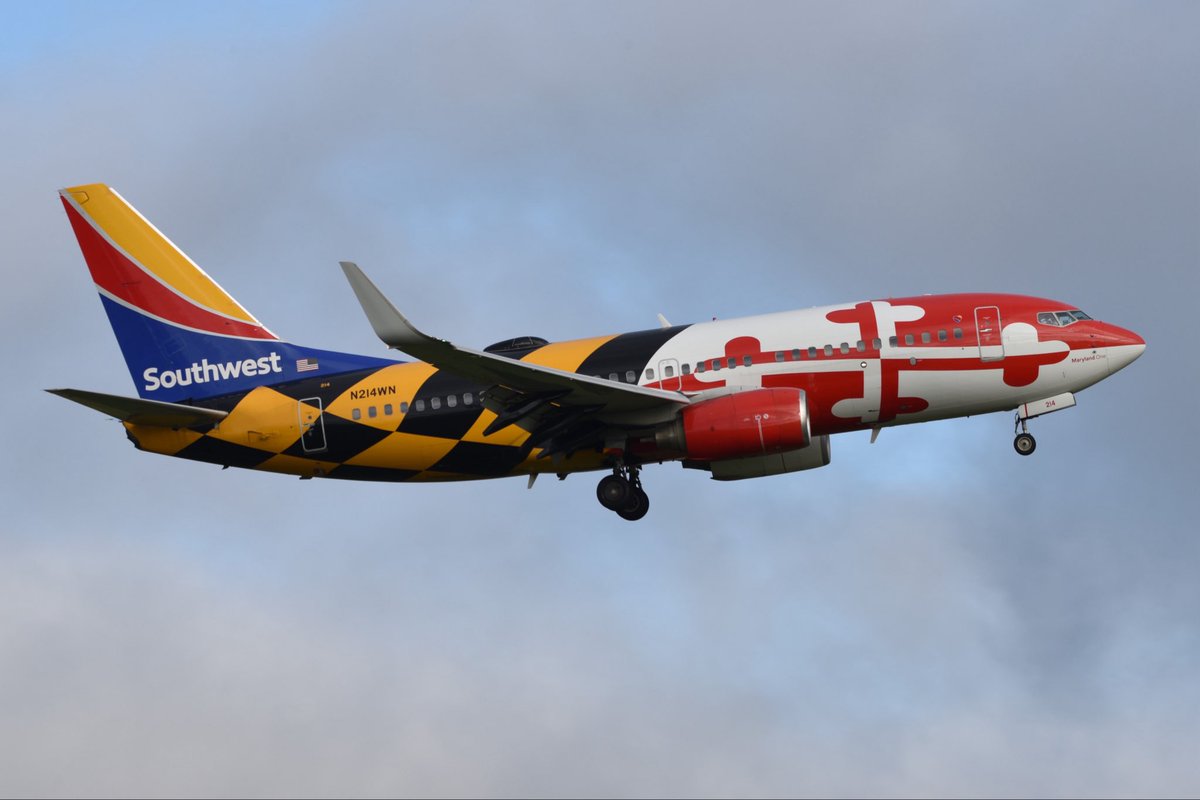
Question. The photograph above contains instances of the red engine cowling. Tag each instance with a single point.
(742, 424)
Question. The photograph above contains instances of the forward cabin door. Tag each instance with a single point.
(312, 425)
(987, 328)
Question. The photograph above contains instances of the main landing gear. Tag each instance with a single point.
(1024, 444)
(622, 492)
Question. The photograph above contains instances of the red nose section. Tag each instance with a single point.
(1128, 338)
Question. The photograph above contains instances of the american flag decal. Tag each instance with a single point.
(306, 364)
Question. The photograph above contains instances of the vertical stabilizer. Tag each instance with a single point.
(182, 335)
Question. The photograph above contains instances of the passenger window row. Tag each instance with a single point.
(730, 362)
(797, 354)
(434, 404)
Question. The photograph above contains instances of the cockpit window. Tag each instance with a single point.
(1061, 319)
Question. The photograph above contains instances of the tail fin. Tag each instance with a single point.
(182, 335)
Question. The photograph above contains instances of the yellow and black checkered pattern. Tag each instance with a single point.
(337, 427)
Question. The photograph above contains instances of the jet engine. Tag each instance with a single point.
(750, 423)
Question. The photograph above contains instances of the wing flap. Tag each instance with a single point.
(143, 412)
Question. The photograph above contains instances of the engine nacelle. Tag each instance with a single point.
(744, 424)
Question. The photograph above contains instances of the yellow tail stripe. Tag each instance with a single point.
(134, 234)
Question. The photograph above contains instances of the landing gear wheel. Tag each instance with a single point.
(622, 492)
(614, 492)
(1024, 444)
(637, 506)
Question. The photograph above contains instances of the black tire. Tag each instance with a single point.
(637, 506)
(613, 492)
(1024, 444)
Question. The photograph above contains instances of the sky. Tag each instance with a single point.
(928, 615)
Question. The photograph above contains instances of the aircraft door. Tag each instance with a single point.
(987, 328)
(312, 425)
(668, 374)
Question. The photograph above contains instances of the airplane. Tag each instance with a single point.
(737, 398)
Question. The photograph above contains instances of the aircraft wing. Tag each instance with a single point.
(144, 412)
(569, 389)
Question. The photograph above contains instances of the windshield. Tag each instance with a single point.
(1061, 319)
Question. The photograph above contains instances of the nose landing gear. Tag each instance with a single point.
(622, 492)
(1024, 443)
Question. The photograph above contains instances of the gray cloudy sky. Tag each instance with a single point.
(928, 615)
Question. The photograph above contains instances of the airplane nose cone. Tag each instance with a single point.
(1126, 348)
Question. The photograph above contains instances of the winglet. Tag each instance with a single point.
(390, 325)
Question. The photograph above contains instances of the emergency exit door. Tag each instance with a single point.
(312, 425)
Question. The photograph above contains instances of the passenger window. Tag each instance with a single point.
(420, 405)
(958, 333)
(812, 352)
(747, 361)
(404, 408)
(650, 373)
(796, 354)
(925, 337)
(669, 372)
(686, 369)
(435, 403)
(876, 344)
(612, 376)
(862, 346)
(942, 336)
(468, 399)
(828, 349)
(356, 413)
(908, 339)
(716, 364)
(700, 367)
(779, 356)
(387, 409)
(371, 412)
(893, 341)
(452, 401)
(845, 348)
(630, 376)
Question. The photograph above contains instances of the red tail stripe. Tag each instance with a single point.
(128, 282)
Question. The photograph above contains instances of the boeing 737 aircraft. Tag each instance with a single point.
(737, 398)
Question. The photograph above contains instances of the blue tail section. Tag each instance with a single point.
(170, 363)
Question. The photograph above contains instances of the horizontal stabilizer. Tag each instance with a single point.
(144, 412)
